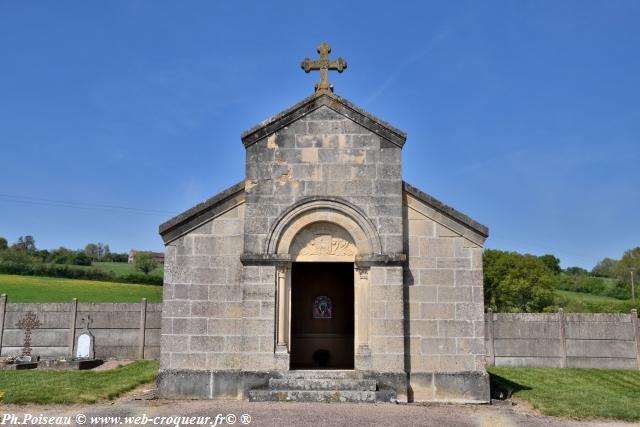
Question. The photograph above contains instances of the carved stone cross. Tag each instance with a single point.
(324, 64)
(87, 321)
(28, 323)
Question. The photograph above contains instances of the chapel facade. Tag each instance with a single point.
(323, 275)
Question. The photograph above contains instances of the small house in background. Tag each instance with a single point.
(157, 256)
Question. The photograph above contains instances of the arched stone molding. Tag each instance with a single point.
(324, 210)
(323, 230)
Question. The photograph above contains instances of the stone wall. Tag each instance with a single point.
(323, 154)
(560, 340)
(387, 319)
(259, 294)
(599, 340)
(204, 302)
(122, 331)
(443, 301)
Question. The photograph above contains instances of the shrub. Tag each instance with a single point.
(619, 290)
(81, 258)
(593, 285)
(147, 279)
(580, 283)
(74, 272)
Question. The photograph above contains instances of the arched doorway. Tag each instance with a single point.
(315, 242)
(322, 315)
(322, 298)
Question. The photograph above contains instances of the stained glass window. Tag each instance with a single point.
(322, 307)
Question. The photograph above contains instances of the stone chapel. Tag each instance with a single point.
(323, 275)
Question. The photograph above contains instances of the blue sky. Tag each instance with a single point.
(525, 115)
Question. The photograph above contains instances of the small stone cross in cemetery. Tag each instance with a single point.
(324, 64)
(28, 323)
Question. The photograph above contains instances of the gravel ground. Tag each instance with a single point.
(301, 414)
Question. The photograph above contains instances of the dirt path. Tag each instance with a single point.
(139, 404)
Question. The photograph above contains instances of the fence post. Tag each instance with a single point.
(72, 326)
(143, 325)
(636, 334)
(491, 350)
(3, 309)
(563, 339)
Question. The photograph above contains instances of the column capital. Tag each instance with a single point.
(363, 272)
(281, 270)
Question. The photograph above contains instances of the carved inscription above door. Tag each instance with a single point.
(323, 241)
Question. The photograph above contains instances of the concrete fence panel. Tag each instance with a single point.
(132, 331)
(571, 340)
(122, 331)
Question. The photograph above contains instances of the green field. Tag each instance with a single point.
(584, 297)
(575, 393)
(580, 302)
(50, 289)
(123, 268)
(74, 386)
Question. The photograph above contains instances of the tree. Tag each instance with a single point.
(81, 258)
(103, 251)
(630, 262)
(517, 283)
(117, 257)
(61, 256)
(92, 251)
(576, 271)
(552, 263)
(26, 243)
(97, 251)
(42, 254)
(19, 256)
(605, 268)
(144, 262)
(4, 244)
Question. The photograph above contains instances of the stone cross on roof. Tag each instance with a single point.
(28, 323)
(324, 64)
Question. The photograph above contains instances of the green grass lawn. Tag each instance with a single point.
(123, 268)
(580, 302)
(51, 289)
(581, 296)
(575, 393)
(74, 386)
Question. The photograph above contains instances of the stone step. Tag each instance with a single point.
(322, 384)
(328, 396)
(322, 374)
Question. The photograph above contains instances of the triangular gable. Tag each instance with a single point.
(202, 212)
(450, 217)
(334, 102)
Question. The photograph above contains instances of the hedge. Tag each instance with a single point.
(72, 272)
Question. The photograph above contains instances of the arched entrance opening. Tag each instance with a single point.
(322, 298)
(322, 315)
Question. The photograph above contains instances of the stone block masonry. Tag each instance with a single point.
(323, 154)
(323, 184)
(599, 340)
(206, 306)
(444, 305)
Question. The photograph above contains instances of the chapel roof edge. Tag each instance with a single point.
(315, 101)
(202, 212)
(448, 210)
